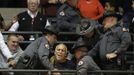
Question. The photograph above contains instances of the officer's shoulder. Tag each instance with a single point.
(86, 58)
(121, 29)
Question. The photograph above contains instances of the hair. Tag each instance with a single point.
(10, 35)
(31, 0)
(64, 47)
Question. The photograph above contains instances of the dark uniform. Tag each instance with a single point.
(67, 17)
(85, 63)
(115, 40)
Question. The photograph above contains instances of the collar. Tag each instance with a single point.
(31, 14)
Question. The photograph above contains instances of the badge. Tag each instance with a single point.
(40, 19)
(62, 13)
(47, 46)
(23, 18)
(125, 30)
(80, 63)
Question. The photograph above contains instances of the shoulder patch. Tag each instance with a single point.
(80, 63)
(47, 46)
(62, 13)
(125, 29)
(23, 18)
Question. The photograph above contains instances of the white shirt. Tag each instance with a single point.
(15, 26)
(3, 47)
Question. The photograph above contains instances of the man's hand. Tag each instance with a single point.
(56, 73)
(11, 63)
(111, 55)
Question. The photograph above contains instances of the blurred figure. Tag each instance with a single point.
(128, 18)
(36, 55)
(91, 9)
(13, 45)
(30, 20)
(2, 23)
(68, 16)
(85, 63)
(6, 58)
(112, 45)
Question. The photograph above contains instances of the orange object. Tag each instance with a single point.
(90, 9)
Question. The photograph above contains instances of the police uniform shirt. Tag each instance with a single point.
(67, 17)
(40, 48)
(115, 39)
(86, 64)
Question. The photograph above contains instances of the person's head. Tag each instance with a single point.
(110, 20)
(51, 34)
(33, 5)
(79, 49)
(80, 52)
(12, 42)
(86, 28)
(61, 53)
(73, 3)
(132, 5)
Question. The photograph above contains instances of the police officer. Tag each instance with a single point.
(36, 54)
(85, 63)
(113, 43)
(68, 16)
(87, 29)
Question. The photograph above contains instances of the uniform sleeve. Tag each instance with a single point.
(85, 65)
(125, 39)
(82, 68)
(43, 53)
(4, 49)
(92, 64)
(93, 52)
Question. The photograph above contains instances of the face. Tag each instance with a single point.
(61, 52)
(33, 5)
(109, 22)
(52, 38)
(13, 43)
(78, 53)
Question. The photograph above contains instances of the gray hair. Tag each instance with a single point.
(31, 0)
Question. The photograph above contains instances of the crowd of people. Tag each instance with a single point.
(104, 35)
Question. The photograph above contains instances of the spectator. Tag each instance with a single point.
(6, 58)
(68, 16)
(84, 62)
(2, 23)
(112, 44)
(59, 60)
(91, 9)
(30, 20)
(13, 45)
(36, 54)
